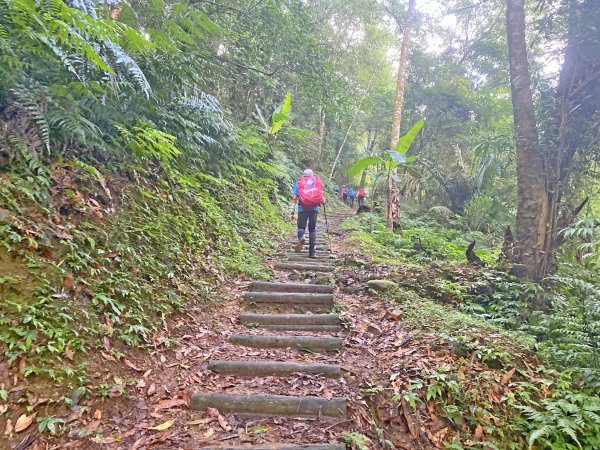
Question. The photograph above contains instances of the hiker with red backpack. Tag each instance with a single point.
(361, 197)
(308, 194)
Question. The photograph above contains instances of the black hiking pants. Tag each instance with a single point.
(309, 217)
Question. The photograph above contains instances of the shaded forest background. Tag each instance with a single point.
(140, 159)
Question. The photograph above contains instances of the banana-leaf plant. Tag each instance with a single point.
(393, 159)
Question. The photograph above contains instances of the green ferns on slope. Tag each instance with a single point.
(126, 192)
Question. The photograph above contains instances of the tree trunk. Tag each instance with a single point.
(371, 139)
(321, 137)
(393, 204)
(532, 202)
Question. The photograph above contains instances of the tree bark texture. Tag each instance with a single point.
(532, 203)
(393, 204)
(321, 137)
(577, 104)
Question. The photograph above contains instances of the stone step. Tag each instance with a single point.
(314, 343)
(306, 267)
(265, 286)
(299, 258)
(290, 319)
(282, 446)
(318, 256)
(266, 368)
(315, 328)
(272, 405)
(290, 297)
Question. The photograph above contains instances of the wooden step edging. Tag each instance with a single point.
(289, 319)
(307, 267)
(265, 286)
(273, 405)
(305, 259)
(289, 297)
(282, 446)
(313, 343)
(313, 328)
(265, 368)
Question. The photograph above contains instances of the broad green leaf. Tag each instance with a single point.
(280, 117)
(287, 104)
(300, 132)
(405, 141)
(276, 127)
(363, 163)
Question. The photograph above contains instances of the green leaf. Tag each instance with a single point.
(287, 103)
(406, 141)
(363, 164)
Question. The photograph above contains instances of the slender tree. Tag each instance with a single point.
(532, 206)
(393, 205)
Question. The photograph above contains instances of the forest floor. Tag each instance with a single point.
(145, 402)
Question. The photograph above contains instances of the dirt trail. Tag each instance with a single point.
(156, 411)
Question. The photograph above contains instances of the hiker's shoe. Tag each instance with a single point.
(299, 245)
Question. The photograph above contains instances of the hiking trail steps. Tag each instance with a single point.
(281, 339)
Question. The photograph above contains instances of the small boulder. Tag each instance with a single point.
(381, 285)
(396, 314)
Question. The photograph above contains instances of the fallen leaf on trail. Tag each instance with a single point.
(163, 359)
(167, 404)
(508, 375)
(92, 426)
(163, 426)
(68, 281)
(106, 342)
(131, 365)
(97, 414)
(201, 421)
(213, 412)
(24, 421)
(411, 421)
(151, 389)
(478, 432)
(224, 423)
(69, 353)
(9, 427)
(257, 429)
(108, 357)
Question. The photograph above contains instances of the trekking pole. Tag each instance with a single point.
(327, 228)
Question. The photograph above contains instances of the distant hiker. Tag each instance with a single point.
(361, 197)
(344, 194)
(308, 194)
(351, 195)
(336, 189)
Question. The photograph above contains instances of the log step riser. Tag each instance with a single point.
(261, 286)
(316, 344)
(287, 297)
(267, 368)
(275, 405)
(283, 447)
(290, 319)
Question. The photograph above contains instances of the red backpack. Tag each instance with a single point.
(310, 192)
(361, 192)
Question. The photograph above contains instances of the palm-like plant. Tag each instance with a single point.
(390, 160)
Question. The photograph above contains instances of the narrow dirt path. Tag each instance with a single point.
(304, 359)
